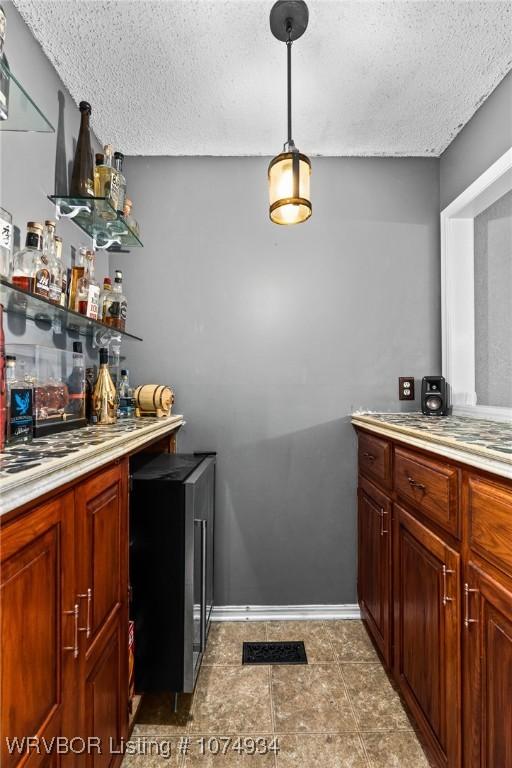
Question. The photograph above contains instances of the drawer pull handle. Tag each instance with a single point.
(73, 647)
(446, 599)
(382, 513)
(87, 628)
(369, 456)
(414, 484)
(467, 620)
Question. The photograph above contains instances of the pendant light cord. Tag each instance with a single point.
(289, 81)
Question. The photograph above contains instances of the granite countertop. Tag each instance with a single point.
(29, 470)
(479, 442)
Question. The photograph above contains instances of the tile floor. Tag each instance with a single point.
(339, 711)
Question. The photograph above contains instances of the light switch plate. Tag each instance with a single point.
(406, 388)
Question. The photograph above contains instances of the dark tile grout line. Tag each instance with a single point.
(337, 662)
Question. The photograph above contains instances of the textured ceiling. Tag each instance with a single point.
(206, 77)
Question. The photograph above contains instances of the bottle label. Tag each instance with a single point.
(114, 309)
(42, 282)
(5, 234)
(114, 190)
(21, 414)
(54, 293)
(123, 310)
(93, 302)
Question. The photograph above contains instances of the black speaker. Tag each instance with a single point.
(434, 400)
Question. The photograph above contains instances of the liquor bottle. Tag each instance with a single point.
(88, 290)
(3, 399)
(127, 215)
(23, 262)
(76, 273)
(20, 425)
(116, 305)
(126, 404)
(108, 184)
(41, 264)
(107, 290)
(6, 237)
(4, 71)
(63, 271)
(105, 396)
(90, 378)
(76, 383)
(99, 157)
(82, 178)
(118, 165)
(54, 265)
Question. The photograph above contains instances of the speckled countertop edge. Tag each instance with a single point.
(28, 485)
(459, 449)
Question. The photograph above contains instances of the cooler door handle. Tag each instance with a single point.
(204, 527)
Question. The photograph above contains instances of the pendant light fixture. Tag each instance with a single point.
(289, 173)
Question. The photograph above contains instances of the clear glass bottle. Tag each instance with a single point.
(6, 238)
(42, 261)
(108, 183)
(20, 423)
(88, 290)
(127, 215)
(63, 271)
(116, 304)
(107, 290)
(82, 179)
(54, 265)
(76, 383)
(104, 401)
(118, 165)
(22, 272)
(99, 157)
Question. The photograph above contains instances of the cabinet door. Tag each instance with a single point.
(427, 636)
(39, 655)
(487, 649)
(102, 542)
(374, 564)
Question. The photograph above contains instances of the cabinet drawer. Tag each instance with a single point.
(431, 486)
(490, 521)
(375, 458)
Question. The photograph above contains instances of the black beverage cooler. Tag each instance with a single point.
(172, 512)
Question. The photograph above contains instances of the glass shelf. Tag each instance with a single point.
(23, 304)
(96, 217)
(24, 114)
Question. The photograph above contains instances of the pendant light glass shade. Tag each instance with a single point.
(289, 183)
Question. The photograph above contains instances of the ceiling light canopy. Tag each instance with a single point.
(289, 173)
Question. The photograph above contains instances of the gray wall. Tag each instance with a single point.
(34, 165)
(479, 144)
(493, 304)
(271, 336)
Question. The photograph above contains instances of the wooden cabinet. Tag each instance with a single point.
(448, 637)
(427, 654)
(38, 658)
(64, 621)
(374, 565)
(487, 651)
(102, 520)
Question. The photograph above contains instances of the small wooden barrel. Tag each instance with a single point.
(153, 400)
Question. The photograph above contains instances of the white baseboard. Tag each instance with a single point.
(284, 612)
